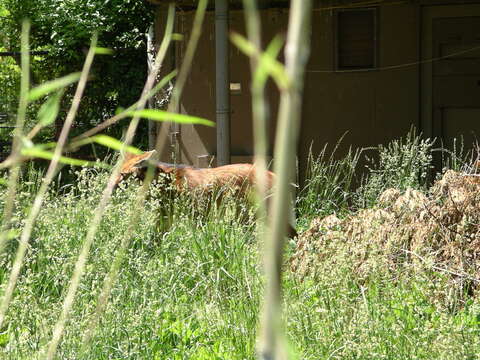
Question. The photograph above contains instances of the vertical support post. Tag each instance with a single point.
(164, 130)
(222, 82)
(152, 126)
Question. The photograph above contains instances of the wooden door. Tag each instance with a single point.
(456, 80)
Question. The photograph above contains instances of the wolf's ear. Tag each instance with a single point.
(145, 160)
(129, 156)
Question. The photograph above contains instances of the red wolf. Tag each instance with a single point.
(239, 177)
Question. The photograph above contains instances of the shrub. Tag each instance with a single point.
(401, 164)
(63, 28)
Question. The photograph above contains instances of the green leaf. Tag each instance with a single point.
(49, 145)
(4, 12)
(177, 37)
(262, 72)
(114, 144)
(26, 142)
(12, 234)
(103, 51)
(53, 85)
(107, 141)
(268, 63)
(38, 152)
(4, 339)
(160, 115)
(48, 112)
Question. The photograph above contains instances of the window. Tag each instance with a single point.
(356, 39)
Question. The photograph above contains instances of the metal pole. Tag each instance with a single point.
(222, 82)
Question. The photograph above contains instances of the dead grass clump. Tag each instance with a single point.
(431, 233)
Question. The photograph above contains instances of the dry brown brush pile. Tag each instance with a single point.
(434, 235)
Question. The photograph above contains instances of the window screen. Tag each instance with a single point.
(356, 39)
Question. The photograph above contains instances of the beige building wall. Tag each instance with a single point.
(371, 107)
(198, 143)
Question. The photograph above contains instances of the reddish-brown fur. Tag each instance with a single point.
(239, 177)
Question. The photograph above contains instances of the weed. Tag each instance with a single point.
(402, 164)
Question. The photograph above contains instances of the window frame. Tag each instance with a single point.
(336, 29)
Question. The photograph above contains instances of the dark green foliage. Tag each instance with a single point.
(64, 28)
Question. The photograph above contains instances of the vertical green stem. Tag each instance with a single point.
(17, 138)
(51, 171)
(259, 110)
(183, 72)
(113, 272)
(100, 210)
(296, 54)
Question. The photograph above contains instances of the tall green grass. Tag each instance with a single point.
(172, 286)
(458, 157)
(163, 275)
(329, 184)
(192, 289)
(338, 185)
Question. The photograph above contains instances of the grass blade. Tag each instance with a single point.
(52, 170)
(17, 142)
(53, 85)
(106, 195)
(109, 142)
(267, 62)
(38, 152)
(103, 51)
(160, 115)
(48, 112)
(272, 343)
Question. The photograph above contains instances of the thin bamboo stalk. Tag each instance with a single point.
(17, 136)
(51, 171)
(79, 268)
(259, 111)
(106, 195)
(152, 126)
(182, 74)
(297, 50)
(140, 198)
(124, 114)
